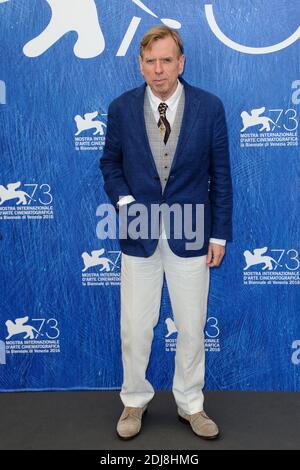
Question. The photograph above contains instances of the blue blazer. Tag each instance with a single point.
(200, 171)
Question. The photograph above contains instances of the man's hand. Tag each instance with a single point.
(215, 255)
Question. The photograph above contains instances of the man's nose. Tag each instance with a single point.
(158, 67)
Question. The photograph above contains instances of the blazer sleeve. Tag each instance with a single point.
(111, 163)
(220, 193)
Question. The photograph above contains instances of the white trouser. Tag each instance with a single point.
(141, 287)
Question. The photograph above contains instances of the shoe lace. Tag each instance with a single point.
(200, 413)
(132, 412)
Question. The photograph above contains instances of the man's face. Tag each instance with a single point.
(161, 66)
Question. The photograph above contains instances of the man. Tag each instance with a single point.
(167, 144)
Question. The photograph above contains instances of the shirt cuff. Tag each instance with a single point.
(218, 241)
(125, 200)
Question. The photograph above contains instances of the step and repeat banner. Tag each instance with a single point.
(62, 63)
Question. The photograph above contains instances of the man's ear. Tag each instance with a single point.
(141, 64)
(182, 61)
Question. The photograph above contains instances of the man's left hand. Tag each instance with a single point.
(215, 255)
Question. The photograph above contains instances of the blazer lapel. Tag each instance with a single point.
(190, 114)
(139, 123)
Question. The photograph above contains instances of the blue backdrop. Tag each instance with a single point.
(62, 62)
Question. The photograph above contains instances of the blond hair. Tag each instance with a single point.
(160, 32)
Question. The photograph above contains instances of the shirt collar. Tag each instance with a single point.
(171, 102)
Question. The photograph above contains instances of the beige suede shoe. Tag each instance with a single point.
(130, 422)
(201, 424)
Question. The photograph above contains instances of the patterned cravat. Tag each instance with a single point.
(163, 123)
